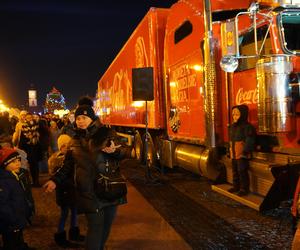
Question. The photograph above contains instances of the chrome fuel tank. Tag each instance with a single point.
(274, 99)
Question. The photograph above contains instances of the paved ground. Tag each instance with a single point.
(137, 226)
(181, 212)
(208, 220)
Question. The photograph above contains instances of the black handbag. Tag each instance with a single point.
(110, 185)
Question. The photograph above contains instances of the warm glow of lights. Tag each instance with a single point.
(138, 104)
(32, 94)
(172, 84)
(3, 107)
(201, 90)
(198, 67)
(61, 112)
(281, 2)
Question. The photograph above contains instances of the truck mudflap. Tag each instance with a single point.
(270, 184)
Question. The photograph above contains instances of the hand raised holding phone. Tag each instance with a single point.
(112, 148)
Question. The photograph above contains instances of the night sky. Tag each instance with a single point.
(66, 44)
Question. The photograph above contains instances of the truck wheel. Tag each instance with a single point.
(138, 146)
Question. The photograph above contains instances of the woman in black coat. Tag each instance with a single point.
(93, 147)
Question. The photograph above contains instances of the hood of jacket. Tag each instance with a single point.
(244, 110)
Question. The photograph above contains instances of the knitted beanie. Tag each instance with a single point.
(63, 140)
(7, 155)
(23, 112)
(85, 107)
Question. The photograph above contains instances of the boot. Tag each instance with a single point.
(12, 240)
(243, 192)
(26, 247)
(74, 234)
(233, 190)
(61, 240)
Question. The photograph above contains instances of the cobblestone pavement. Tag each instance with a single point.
(204, 218)
(208, 220)
(41, 234)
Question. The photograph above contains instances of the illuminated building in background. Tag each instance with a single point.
(54, 101)
(32, 98)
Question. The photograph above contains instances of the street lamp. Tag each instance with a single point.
(3, 107)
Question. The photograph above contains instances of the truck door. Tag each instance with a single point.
(184, 85)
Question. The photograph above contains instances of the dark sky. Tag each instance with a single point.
(66, 44)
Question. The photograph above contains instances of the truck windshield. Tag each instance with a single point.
(290, 35)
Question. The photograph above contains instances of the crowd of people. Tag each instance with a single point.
(73, 146)
(78, 148)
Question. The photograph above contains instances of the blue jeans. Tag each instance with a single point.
(64, 211)
(99, 225)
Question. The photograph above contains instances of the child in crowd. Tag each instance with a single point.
(6, 142)
(65, 197)
(16, 202)
(242, 140)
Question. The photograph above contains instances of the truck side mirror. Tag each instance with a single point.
(229, 63)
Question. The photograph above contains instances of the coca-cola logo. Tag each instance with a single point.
(246, 97)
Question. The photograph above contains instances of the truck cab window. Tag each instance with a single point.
(183, 31)
(290, 36)
(247, 47)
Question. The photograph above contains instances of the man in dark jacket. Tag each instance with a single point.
(242, 140)
(91, 147)
(29, 141)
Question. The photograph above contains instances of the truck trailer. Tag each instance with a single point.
(173, 84)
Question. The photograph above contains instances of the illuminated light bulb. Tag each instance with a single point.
(138, 104)
(172, 84)
(201, 90)
(197, 67)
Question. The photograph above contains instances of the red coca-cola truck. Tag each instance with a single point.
(201, 58)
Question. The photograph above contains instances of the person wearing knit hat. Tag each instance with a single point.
(95, 148)
(63, 141)
(17, 205)
(85, 108)
(65, 197)
(7, 156)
